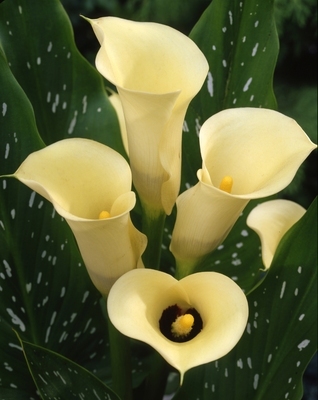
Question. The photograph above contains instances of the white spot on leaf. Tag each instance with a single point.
(86, 294)
(185, 127)
(255, 382)
(84, 101)
(4, 109)
(7, 150)
(231, 17)
(16, 320)
(254, 51)
(8, 268)
(210, 84)
(72, 124)
(303, 344)
(247, 84)
(282, 290)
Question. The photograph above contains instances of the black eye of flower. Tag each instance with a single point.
(178, 325)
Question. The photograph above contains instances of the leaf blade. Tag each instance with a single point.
(60, 378)
(281, 335)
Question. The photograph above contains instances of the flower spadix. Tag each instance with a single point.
(89, 184)
(271, 220)
(157, 71)
(189, 322)
(247, 153)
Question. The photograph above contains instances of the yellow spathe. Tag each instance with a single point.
(82, 178)
(271, 220)
(137, 300)
(261, 150)
(157, 71)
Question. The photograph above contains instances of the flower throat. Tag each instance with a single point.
(179, 326)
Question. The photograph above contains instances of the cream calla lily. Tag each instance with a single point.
(138, 302)
(157, 71)
(82, 178)
(271, 220)
(247, 153)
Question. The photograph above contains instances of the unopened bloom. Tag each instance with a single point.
(271, 220)
(189, 322)
(247, 153)
(89, 185)
(157, 71)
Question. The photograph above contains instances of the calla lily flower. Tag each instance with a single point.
(157, 71)
(271, 220)
(89, 185)
(247, 153)
(189, 322)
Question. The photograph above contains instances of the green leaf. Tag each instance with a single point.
(240, 42)
(239, 256)
(16, 119)
(66, 92)
(46, 294)
(56, 377)
(45, 291)
(281, 334)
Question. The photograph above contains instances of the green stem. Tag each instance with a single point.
(120, 362)
(152, 226)
(185, 268)
(156, 381)
(153, 222)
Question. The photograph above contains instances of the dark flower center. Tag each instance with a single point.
(169, 318)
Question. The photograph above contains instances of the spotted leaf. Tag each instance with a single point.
(45, 292)
(240, 42)
(66, 92)
(281, 334)
(57, 377)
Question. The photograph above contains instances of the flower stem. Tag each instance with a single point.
(184, 268)
(120, 361)
(152, 226)
(156, 381)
